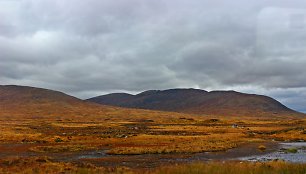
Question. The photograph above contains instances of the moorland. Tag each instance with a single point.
(46, 131)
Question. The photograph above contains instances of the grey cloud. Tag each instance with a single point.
(93, 47)
(295, 98)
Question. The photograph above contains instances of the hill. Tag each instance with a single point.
(23, 102)
(31, 102)
(37, 103)
(196, 101)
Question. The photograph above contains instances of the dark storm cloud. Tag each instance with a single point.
(86, 48)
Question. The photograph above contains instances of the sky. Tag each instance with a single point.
(93, 47)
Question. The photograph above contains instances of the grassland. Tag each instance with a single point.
(234, 168)
(50, 140)
(149, 136)
(44, 165)
(131, 132)
(45, 131)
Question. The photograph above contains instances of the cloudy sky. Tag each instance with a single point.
(92, 47)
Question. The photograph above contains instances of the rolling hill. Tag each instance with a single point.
(196, 101)
(23, 102)
(31, 102)
(37, 102)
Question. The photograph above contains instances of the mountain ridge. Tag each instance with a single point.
(197, 101)
(31, 102)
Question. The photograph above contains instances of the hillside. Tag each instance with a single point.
(37, 103)
(195, 101)
(30, 102)
(23, 102)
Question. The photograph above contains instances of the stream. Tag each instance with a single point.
(291, 152)
(247, 152)
(288, 151)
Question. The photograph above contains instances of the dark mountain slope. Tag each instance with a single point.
(195, 101)
(114, 98)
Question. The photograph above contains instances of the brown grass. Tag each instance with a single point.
(137, 132)
(42, 165)
(139, 136)
(234, 168)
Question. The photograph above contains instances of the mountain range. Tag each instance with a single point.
(31, 102)
(196, 101)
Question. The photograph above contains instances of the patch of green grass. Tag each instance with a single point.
(291, 150)
(58, 140)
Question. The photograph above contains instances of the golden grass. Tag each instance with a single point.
(157, 144)
(61, 148)
(139, 134)
(234, 168)
(147, 133)
(262, 147)
(42, 165)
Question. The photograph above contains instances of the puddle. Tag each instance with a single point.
(295, 154)
(92, 154)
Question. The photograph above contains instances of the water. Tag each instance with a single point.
(247, 152)
(92, 154)
(283, 154)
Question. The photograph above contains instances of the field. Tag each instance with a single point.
(137, 142)
(44, 166)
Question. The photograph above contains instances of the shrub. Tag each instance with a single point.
(262, 147)
(58, 140)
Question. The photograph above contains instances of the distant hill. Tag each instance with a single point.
(195, 101)
(23, 102)
(37, 102)
(30, 102)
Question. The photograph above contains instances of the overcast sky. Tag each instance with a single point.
(92, 47)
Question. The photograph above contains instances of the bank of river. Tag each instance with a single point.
(291, 152)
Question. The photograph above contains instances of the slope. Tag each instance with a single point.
(195, 101)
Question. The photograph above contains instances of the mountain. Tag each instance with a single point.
(196, 101)
(31, 102)
(23, 102)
